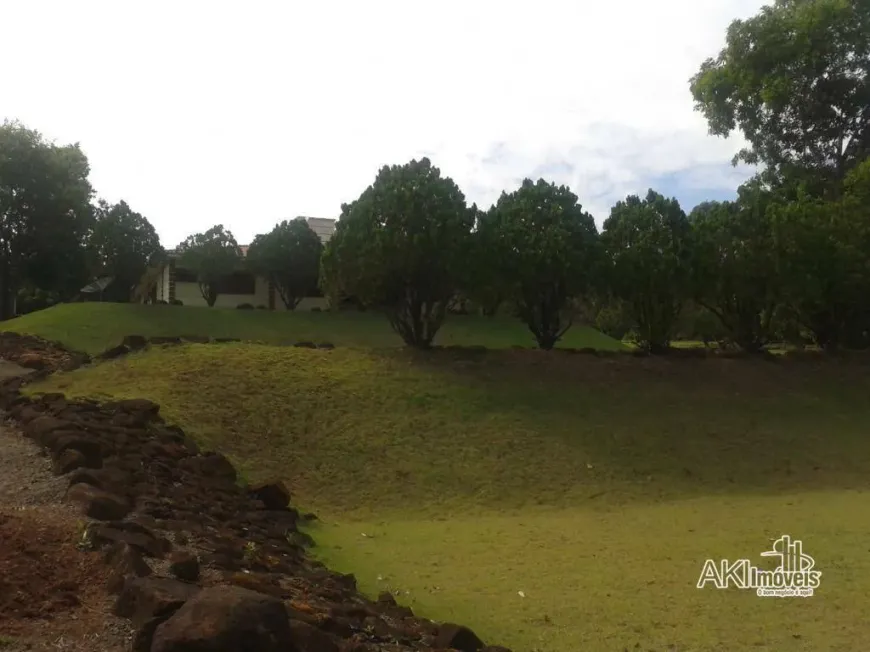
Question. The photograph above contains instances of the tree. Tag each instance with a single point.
(484, 284)
(648, 249)
(794, 80)
(401, 248)
(45, 214)
(289, 256)
(736, 265)
(213, 256)
(123, 243)
(826, 263)
(544, 249)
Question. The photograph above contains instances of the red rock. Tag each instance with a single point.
(125, 561)
(274, 495)
(224, 618)
(458, 637)
(143, 598)
(97, 503)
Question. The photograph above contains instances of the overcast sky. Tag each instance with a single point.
(247, 113)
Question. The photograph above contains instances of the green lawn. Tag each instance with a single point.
(94, 327)
(596, 486)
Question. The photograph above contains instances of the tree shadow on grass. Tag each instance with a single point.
(661, 428)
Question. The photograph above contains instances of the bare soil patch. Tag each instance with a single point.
(52, 595)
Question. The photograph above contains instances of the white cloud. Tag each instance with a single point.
(202, 112)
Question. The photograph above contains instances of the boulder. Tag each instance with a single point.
(70, 460)
(32, 361)
(114, 352)
(223, 618)
(132, 534)
(89, 447)
(42, 425)
(274, 495)
(259, 582)
(458, 637)
(98, 504)
(215, 465)
(108, 478)
(184, 566)
(135, 342)
(124, 561)
(144, 598)
(311, 639)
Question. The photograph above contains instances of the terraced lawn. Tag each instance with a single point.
(596, 487)
(94, 327)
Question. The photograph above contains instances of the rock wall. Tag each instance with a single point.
(198, 561)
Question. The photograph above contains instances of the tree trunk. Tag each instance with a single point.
(6, 307)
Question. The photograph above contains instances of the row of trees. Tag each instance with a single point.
(760, 265)
(790, 256)
(54, 238)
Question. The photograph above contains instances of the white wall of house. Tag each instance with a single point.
(163, 285)
(190, 295)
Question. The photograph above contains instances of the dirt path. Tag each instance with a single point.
(52, 595)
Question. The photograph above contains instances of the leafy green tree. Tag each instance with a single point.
(794, 79)
(544, 249)
(289, 256)
(826, 263)
(736, 265)
(45, 214)
(401, 247)
(648, 247)
(123, 243)
(484, 284)
(213, 256)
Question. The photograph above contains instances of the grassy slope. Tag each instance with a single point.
(595, 486)
(94, 327)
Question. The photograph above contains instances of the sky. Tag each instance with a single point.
(248, 113)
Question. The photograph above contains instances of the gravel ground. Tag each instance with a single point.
(38, 534)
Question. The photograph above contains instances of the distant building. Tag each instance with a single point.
(170, 282)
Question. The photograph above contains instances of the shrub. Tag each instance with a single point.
(176, 302)
(261, 307)
(245, 306)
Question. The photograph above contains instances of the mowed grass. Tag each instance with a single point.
(596, 486)
(94, 327)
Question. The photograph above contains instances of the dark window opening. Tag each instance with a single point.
(184, 275)
(238, 283)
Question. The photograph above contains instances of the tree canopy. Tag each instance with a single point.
(400, 247)
(289, 256)
(123, 243)
(649, 256)
(45, 214)
(736, 265)
(795, 80)
(212, 256)
(543, 250)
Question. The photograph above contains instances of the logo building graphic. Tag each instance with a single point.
(793, 577)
